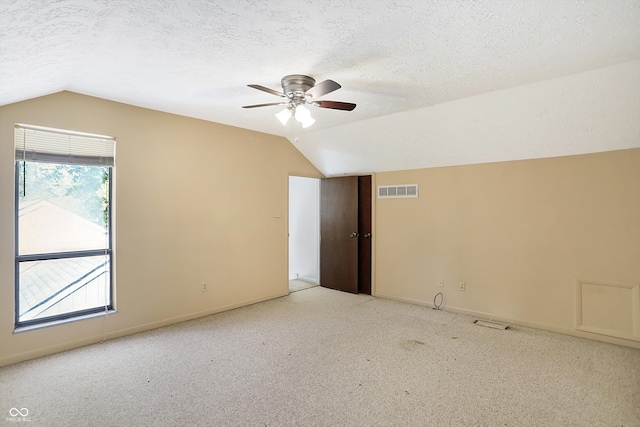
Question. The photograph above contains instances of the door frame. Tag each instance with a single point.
(373, 225)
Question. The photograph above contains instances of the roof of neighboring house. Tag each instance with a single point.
(48, 228)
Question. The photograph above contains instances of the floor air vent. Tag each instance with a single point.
(489, 324)
(404, 191)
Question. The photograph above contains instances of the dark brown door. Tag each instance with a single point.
(345, 234)
(364, 230)
(339, 233)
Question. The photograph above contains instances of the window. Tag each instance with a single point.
(63, 215)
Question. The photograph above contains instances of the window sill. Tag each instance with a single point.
(21, 329)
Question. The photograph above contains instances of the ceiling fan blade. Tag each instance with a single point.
(266, 89)
(335, 105)
(323, 88)
(264, 105)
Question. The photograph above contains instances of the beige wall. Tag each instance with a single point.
(194, 203)
(520, 234)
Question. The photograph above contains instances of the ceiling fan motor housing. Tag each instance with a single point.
(299, 90)
(295, 85)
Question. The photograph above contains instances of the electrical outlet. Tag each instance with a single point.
(276, 213)
(461, 286)
(204, 287)
(441, 283)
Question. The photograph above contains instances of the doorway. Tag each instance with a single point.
(304, 233)
(340, 210)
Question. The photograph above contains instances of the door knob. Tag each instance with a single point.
(354, 234)
(366, 236)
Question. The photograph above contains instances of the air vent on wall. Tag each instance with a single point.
(404, 191)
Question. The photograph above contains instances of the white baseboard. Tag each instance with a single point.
(108, 335)
(306, 279)
(520, 322)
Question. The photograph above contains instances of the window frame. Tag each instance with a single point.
(44, 321)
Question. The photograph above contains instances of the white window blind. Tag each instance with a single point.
(48, 145)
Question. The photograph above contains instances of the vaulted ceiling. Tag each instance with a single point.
(436, 82)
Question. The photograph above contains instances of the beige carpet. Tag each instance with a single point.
(296, 285)
(325, 358)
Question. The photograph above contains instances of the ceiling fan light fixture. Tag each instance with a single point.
(284, 116)
(303, 115)
(308, 122)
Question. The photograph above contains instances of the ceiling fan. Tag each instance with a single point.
(299, 90)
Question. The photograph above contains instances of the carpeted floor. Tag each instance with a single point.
(296, 285)
(325, 358)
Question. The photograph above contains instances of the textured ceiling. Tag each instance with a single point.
(195, 57)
